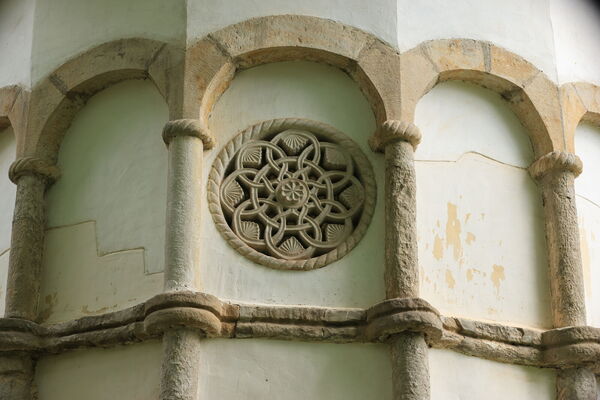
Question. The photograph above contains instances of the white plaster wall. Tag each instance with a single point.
(126, 372)
(455, 376)
(16, 32)
(64, 28)
(375, 16)
(321, 93)
(577, 39)
(252, 369)
(113, 164)
(7, 202)
(522, 27)
(587, 147)
(479, 215)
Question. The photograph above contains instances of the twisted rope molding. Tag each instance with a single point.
(556, 161)
(188, 127)
(33, 166)
(262, 130)
(391, 131)
(213, 318)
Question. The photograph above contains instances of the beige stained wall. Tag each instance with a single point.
(479, 214)
(587, 146)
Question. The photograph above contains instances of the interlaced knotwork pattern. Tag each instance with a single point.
(292, 193)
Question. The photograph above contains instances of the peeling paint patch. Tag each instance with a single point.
(48, 307)
(497, 276)
(450, 281)
(453, 230)
(438, 248)
(470, 238)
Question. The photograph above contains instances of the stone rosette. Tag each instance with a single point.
(292, 194)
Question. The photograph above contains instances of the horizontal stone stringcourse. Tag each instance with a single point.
(555, 348)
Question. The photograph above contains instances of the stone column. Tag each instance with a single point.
(555, 173)
(32, 177)
(409, 350)
(186, 140)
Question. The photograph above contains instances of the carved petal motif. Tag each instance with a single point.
(333, 232)
(250, 229)
(252, 157)
(291, 246)
(293, 144)
(351, 197)
(234, 194)
(334, 159)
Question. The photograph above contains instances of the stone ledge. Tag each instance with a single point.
(214, 318)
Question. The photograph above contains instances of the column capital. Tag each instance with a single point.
(393, 131)
(556, 161)
(188, 127)
(33, 166)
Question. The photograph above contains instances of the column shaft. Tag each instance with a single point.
(401, 266)
(410, 364)
(184, 192)
(181, 347)
(26, 248)
(16, 376)
(555, 173)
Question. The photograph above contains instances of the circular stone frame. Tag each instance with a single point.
(269, 128)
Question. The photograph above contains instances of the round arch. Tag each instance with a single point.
(211, 62)
(56, 99)
(529, 93)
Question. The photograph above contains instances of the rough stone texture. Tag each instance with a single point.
(16, 375)
(401, 273)
(575, 384)
(180, 366)
(27, 243)
(410, 371)
(184, 196)
(556, 173)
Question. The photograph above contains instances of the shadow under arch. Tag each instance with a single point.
(57, 98)
(531, 95)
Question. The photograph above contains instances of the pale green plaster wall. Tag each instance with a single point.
(321, 93)
(129, 372)
(260, 369)
(7, 201)
(114, 166)
(455, 376)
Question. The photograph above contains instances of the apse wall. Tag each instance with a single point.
(482, 250)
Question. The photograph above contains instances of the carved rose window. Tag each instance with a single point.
(292, 193)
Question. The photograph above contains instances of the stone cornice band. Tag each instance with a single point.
(188, 127)
(33, 166)
(392, 131)
(556, 161)
(555, 348)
